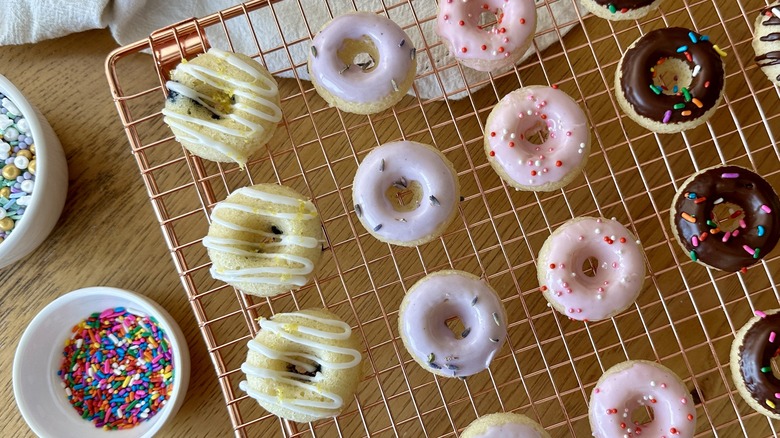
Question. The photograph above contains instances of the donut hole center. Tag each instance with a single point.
(641, 416)
(671, 73)
(404, 195)
(489, 20)
(590, 267)
(727, 216)
(308, 371)
(538, 133)
(362, 53)
(456, 326)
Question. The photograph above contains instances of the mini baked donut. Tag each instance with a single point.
(370, 86)
(303, 366)
(587, 295)
(766, 42)
(406, 193)
(459, 26)
(537, 167)
(740, 237)
(617, 10)
(422, 323)
(670, 80)
(504, 425)
(264, 240)
(222, 106)
(755, 363)
(635, 384)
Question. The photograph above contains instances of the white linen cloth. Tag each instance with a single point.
(27, 21)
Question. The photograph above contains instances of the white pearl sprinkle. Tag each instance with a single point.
(597, 230)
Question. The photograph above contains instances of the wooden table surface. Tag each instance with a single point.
(108, 235)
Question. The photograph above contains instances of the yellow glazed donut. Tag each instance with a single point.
(222, 106)
(303, 366)
(264, 240)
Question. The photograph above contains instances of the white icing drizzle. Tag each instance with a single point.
(263, 107)
(292, 275)
(333, 402)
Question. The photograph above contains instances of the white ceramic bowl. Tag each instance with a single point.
(51, 183)
(37, 388)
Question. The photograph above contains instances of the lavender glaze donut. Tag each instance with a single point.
(422, 323)
(458, 25)
(619, 274)
(369, 87)
(537, 167)
(405, 193)
(632, 385)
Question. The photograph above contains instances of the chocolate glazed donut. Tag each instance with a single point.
(773, 19)
(648, 100)
(699, 233)
(758, 350)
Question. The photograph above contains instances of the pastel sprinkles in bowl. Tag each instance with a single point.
(17, 180)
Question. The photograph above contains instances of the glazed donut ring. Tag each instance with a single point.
(406, 193)
(663, 110)
(698, 231)
(632, 385)
(537, 167)
(422, 323)
(264, 240)
(222, 106)
(754, 360)
(617, 10)
(458, 25)
(504, 425)
(303, 366)
(362, 89)
(618, 278)
(766, 42)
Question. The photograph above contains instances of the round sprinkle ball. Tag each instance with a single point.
(117, 369)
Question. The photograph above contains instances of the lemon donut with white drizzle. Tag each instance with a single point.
(222, 106)
(264, 240)
(303, 366)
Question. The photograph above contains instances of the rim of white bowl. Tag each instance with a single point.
(41, 155)
(176, 338)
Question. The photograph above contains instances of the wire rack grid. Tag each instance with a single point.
(686, 315)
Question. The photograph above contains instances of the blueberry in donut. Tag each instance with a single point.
(726, 217)
(670, 80)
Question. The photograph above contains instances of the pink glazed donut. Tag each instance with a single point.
(366, 88)
(619, 275)
(422, 323)
(632, 385)
(458, 25)
(537, 167)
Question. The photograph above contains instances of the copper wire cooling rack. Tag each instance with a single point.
(685, 317)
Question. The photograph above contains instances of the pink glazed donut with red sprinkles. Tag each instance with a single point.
(591, 296)
(470, 42)
(632, 385)
(524, 114)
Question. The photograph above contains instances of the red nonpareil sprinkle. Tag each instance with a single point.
(544, 116)
(533, 173)
(493, 134)
(464, 50)
(690, 417)
(485, 6)
(462, 23)
(622, 425)
(552, 265)
(558, 163)
(522, 21)
(543, 288)
(554, 86)
(501, 49)
(674, 431)
(622, 240)
(492, 154)
(484, 47)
